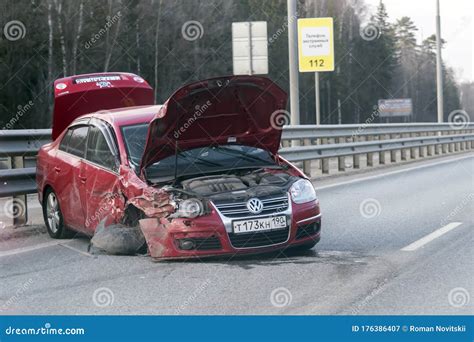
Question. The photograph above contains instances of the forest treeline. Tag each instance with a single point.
(375, 58)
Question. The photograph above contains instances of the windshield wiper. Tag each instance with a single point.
(201, 160)
(242, 154)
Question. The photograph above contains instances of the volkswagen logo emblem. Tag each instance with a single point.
(255, 206)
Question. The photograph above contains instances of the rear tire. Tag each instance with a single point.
(53, 217)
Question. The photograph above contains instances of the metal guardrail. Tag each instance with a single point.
(23, 142)
(358, 130)
(309, 142)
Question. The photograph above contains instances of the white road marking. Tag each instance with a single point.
(430, 237)
(385, 174)
(32, 248)
(76, 250)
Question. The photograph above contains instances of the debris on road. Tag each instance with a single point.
(118, 239)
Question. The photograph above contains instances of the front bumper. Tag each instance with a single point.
(208, 235)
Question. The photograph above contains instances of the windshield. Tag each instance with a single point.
(196, 161)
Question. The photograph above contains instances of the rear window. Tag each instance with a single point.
(64, 142)
(98, 150)
(76, 144)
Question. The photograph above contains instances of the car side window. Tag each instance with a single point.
(77, 141)
(64, 142)
(98, 151)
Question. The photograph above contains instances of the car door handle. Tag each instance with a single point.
(57, 169)
(83, 179)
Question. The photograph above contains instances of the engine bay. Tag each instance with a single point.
(237, 185)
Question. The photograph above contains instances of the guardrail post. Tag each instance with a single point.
(370, 155)
(341, 161)
(356, 161)
(430, 150)
(381, 153)
(393, 153)
(324, 161)
(403, 151)
(307, 163)
(382, 157)
(421, 149)
(413, 149)
(445, 148)
(438, 147)
(325, 165)
(19, 204)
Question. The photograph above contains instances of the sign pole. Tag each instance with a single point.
(250, 49)
(439, 71)
(316, 98)
(292, 60)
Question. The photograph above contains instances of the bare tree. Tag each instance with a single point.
(78, 37)
(58, 6)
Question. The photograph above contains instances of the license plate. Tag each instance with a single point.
(258, 225)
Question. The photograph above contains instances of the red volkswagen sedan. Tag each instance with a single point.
(197, 176)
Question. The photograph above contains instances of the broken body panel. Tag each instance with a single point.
(238, 112)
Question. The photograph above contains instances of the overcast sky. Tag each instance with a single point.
(456, 27)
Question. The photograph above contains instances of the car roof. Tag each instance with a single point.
(125, 116)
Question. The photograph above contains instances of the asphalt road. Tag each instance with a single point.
(394, 241)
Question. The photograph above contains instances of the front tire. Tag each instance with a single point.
(53, 217)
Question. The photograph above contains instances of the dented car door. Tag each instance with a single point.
(67, 169)
(102, 196)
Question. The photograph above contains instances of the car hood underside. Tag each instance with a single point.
(244, 110)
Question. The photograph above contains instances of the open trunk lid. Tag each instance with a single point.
(82, 94)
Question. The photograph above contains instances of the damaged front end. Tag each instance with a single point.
(201, 223)
(210, 182)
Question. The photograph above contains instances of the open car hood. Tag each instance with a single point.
(245, 110)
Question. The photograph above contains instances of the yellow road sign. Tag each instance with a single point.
(316, 44)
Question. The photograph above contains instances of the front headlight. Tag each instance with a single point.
(190, 208)
(302, 191)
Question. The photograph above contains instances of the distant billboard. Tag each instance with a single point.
(389, 108)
